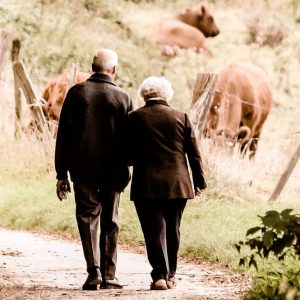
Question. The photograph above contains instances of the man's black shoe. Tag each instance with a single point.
(93, 279)
(89, 287)
(111, 284)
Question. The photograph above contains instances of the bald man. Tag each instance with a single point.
(89, 146)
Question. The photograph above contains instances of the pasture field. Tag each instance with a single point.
(55, 34)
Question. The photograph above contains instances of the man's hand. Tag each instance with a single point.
(198, 191)
(62, 188)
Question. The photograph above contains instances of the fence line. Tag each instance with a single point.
(233, 97)
(228, 96)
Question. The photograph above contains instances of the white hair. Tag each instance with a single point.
(106, 59)
(154, 87)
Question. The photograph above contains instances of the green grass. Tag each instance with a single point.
(211, 224)
(32, 205)
(211, 228)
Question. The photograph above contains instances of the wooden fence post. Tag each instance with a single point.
(286, 174)
(15, 51)
(3, 46)
(35, 107)
(72, 75)
(203, 93)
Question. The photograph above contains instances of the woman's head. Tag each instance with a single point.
(156, 87)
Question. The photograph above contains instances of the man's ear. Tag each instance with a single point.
(114, 71)
(93, 67)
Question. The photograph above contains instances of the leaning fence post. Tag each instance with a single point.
(72, 73)
(23, 80)
(15, 51)
(203, 93)
(286, 174)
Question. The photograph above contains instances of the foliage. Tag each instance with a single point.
(276, 285)
(279, 236)
(264, 31)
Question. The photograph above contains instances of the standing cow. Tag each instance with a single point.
(54, 96)
(242, 102)
(187, 29)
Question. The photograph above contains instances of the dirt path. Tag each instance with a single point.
(35, 266)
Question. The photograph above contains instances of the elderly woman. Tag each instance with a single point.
(160, 139)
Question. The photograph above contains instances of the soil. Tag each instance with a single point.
(37, 266)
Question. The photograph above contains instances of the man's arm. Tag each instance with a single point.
(126, 133)
(62, 189)
(63, 147)
(63, 139)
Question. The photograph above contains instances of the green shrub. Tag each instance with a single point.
(277, 236)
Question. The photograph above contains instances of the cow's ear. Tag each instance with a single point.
(46, 94)
(203, 10)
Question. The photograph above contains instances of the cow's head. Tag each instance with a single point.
(226, 137)
(54, 96)
(201, 18)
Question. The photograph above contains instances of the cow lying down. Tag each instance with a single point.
(186, 30)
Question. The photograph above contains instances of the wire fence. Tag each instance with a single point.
(232, 97)
(223, 109)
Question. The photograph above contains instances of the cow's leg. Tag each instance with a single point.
(243, 149)
(253, 146)
(244, 138)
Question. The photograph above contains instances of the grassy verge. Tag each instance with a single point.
(209, 227)
(211, 224)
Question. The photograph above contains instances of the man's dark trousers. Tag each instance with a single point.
(98, 208)
(159, 219)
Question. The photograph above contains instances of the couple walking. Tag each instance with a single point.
(99, 136)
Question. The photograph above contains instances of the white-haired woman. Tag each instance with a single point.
(159, 139)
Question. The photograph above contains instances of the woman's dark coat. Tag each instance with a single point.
(160, 140)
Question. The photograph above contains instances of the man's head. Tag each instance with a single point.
(105, 61)
(156, 87)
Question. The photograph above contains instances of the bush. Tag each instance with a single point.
(264, 31)
(277, 235)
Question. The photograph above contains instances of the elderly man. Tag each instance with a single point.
(159, 138)
(89, 147)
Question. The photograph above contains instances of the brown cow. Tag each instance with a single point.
(54, 96)
(187, 29)
(241, 104)
(55, 93)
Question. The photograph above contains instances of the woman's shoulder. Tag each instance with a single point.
(177, 112)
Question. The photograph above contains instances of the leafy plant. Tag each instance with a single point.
(278, 234)
(276, 285)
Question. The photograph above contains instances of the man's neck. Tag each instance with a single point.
(106, 73)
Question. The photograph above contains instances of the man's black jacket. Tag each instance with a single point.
(90, 133)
